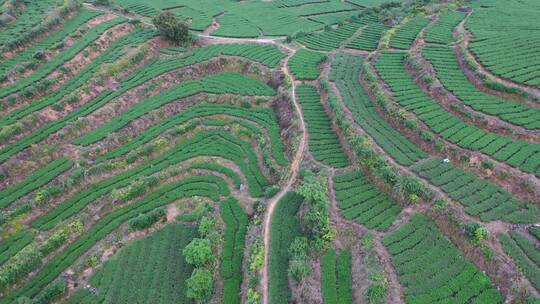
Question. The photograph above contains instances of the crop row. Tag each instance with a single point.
(33, 14)
(453, 78)
(524, 253)
(268, 55)
(363, 202)
(68, 28)
(50, 65)
(506, 40)
(206, 143)
(13, 244)
(323, 141)
(264, 117)
(479, 197)
(223, 83)
(405, 35)
(204, 186)
(236, 221)
(336, 278)
(535, 231)
(231, 25)
(369, 38)
(345, 71)
(441, 31)
(331, 39)
(39, 178)
(149, 270)
(285, 227)
(235, 178)
(519, 154)
(201, 19)
(304, 64)
(432, 269)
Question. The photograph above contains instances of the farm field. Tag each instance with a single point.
(269, 151)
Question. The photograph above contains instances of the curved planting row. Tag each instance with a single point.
(363, 202)
(519, 154)
(441, 31)
(331, 39)
(336, 278)
(369, 38)
(506, 39)
(236, 221)
(304, 64)
(206, 143)
(54, 63)
(451, 76)
(405, 35)
(432, 269)
(223, 83)
(235, 178)
(285, 227)
(323, 141)
(345, 71)
(114, 52)
(50, 41)
(268, 55)
(524, 253)
(39, 178)
(204, 186)
(33, 14)
(480, 197)
(265, 117)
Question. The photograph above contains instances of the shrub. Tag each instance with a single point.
(199, 252)
(171, 28)
(146, 220)
(200, 285)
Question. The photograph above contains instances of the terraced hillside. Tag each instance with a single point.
(266, 152)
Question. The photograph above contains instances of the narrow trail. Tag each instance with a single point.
(292, 174)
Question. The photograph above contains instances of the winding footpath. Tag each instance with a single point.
(291, 177)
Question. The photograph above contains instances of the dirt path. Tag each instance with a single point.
(292, 174)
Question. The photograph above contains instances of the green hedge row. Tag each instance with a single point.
(406, 92)
(323, 141)
(39, 178)
(206, 143)
(432, 269)
(363, 202)
(285, 227)
(236, 221)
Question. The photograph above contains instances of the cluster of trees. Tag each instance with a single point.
(171, 28)
(200, 253)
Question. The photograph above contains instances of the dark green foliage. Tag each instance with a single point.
(236, 222)
(149, 270)
(432, 269)
(38, 179)
(480, 197)
(345, 70)
(524, 253)
(146, 220)
(13, 244)
(171, 28)
(304, 64)
(363, 202)
(285, 227)
(336, 279)
(200, 285)
(323, 141)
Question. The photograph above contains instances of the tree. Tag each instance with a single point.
(171, 28)
(199, 252)
(200, 285)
